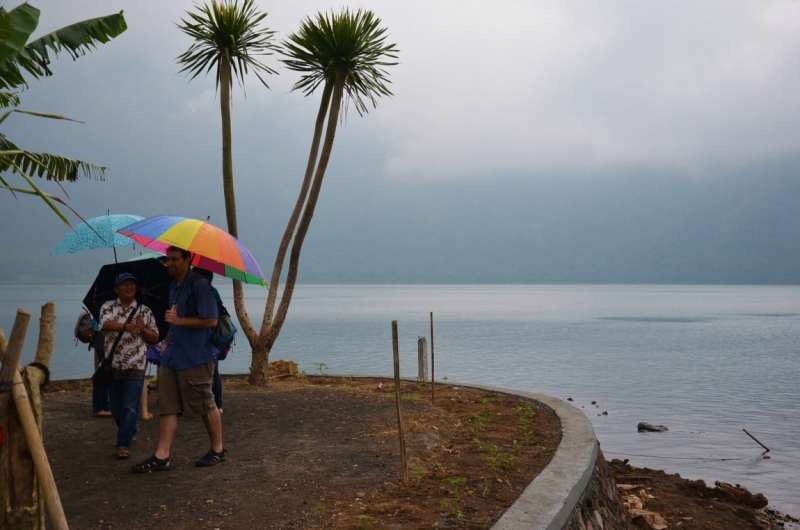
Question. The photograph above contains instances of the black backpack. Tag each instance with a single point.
(225, 331)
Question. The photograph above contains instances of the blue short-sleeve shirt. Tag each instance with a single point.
(189, 347)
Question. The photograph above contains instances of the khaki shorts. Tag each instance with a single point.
(186, 392)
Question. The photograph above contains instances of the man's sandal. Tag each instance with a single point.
(211, 458)
(152, 464)
(123, 453)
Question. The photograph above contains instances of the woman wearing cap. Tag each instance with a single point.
(128, 359)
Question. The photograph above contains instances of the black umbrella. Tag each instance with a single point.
(153, 282)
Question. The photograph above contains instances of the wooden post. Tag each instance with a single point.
(41, 465)
(433, 364)
(17, 506)
(22, 458)
(401, 432)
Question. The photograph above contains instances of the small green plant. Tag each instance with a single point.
(421, 380)
(320, 508)
(363, 521)
(453, 488)
(478, 423)
(321, 369)
(480, 419)
(384, 507)
(439, 468)
(83, 385)
(487, 487)
(509, 461)
(419, 474)
(526, 423)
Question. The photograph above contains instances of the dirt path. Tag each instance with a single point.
(306, 454)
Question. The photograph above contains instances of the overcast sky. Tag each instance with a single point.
(483, 91)
(489, 88)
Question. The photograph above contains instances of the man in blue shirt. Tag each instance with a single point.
(187, 364)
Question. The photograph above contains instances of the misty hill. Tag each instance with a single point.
(736, 229)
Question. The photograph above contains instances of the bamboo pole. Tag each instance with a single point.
(401, 432)
(18, 506)
(756, 439)
(433, 365)
(42, 466)
(3, 344)
(13, 349)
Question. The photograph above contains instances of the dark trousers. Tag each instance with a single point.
(99, 393)
(126, 400)
(216, 387)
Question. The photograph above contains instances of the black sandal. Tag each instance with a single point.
(211, 458)
(152, 464)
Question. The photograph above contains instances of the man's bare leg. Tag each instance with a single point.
(167, 423)
(213, 422)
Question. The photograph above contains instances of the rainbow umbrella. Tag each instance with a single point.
(212, 248)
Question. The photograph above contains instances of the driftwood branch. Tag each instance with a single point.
(756, 439)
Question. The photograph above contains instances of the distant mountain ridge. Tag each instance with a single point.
(740, 229)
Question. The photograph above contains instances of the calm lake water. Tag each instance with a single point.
(706, 361)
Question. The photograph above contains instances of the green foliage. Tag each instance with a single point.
(453, 488)
(526, 423)
(16, 56)
(364, 521)
(480, 419)
(352, 44)
(227, 31)
(321, 369)
(439, 468)
(77, 40)
(419, 473)
(320, 507)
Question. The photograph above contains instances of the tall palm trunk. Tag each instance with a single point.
(227, 148)
(298, 207)
(227, 186)
(332, 98)
(308, 212)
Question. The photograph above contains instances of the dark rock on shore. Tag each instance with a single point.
(646, 427)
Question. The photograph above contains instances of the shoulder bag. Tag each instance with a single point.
(102, 376)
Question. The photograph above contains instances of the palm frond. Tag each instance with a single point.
(353, 44)
(224, 30)
(52, 167)
(38, 114)
(36, 190)
(76, 40)
(8, 99)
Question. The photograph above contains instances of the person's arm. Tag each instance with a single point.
(146, 325)
(190, 322)
(206, 308)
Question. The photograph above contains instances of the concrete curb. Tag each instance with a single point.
(552, 497)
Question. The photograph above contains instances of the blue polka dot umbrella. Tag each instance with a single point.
(98, 232)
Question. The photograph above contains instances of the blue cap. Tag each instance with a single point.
(123, 277)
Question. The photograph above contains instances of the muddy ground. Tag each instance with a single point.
(307, 453)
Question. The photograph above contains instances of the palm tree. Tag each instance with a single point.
(346, 53)
(227, 37)
(18, 55)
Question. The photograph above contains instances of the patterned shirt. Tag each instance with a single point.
(129, 359)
